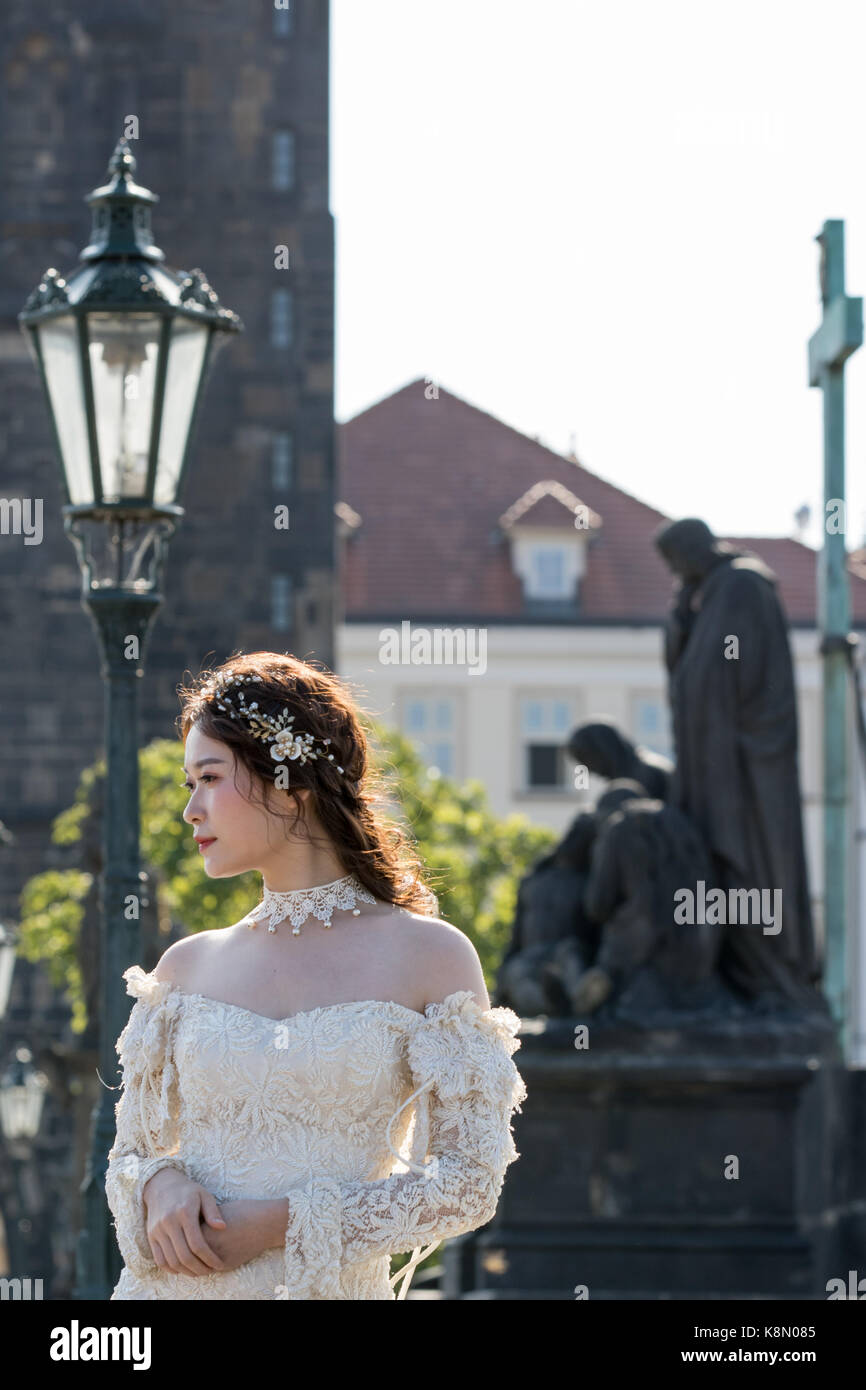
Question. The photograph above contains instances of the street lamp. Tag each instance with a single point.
(123, 345)
(7, 966)
(22, 1096)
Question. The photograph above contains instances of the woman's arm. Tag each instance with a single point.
(460, 1058)
(145, 1147)
(252, 1225)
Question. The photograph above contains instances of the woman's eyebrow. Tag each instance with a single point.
(204, 762)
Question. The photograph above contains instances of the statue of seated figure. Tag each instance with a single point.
(554, 941)
(643, 852)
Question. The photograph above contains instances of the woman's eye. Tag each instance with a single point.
(208, 777)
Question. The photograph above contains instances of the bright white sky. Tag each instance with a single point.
(597, 220)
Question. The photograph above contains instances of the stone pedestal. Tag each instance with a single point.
(685, 1163)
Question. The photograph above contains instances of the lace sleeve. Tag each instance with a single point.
(146, 1113)
(468, 1089)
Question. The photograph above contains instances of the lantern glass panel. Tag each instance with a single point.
(185, 362)
(61, 359)
(21, 1109)
(123, 357)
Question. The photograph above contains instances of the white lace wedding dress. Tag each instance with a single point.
(318, 1108)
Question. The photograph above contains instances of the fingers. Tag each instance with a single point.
(198, 1246)
(171, 1251)
(178, 1241)
(210, 1210)
(185, 1262)
(158, 1252)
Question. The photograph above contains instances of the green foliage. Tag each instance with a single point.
(51, 913)
(474, 860)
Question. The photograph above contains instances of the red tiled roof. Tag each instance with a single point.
(432, 481)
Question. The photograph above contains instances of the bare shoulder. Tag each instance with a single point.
(445, 959)
(179, 962)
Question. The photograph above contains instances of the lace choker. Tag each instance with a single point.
(298, 904)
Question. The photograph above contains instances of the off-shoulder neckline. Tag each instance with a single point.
(460, 1001)
(301, 1013)
(170, 986)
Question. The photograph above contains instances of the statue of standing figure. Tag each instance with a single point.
(734, 711)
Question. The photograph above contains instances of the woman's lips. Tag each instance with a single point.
(203, 844)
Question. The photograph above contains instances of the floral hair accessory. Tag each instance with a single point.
(286, 743)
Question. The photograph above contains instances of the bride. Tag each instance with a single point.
(324, 1083)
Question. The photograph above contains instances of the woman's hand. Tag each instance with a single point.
(178, 1213)
(252, 1226)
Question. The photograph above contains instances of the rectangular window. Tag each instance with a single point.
(545, 724)
(283, 160)
(282, 318)
(429, 722)
(284, 18)
(281, 602)
(651, 725)
(281, 462)
(544, 765)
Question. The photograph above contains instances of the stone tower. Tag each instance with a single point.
(226, 109)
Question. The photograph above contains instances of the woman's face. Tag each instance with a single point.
(243, 835)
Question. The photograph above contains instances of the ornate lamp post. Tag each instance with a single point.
(22, 1097)
(123, 345)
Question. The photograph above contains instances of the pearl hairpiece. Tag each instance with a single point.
(286, 742)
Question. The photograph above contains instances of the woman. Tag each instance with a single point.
(272, 1070)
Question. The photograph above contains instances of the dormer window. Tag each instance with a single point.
(549, 529)
(550, 574)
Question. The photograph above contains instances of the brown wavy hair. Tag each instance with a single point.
(350, 805)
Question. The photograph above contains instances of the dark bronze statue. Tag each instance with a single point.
(644, 851)
(607, 921)
(552, 935)
(554, 940)
(605, 751)
(734, 712)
